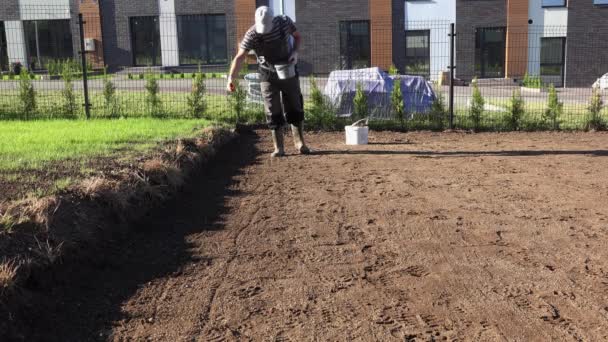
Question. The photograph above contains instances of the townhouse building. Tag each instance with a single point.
(561, 41)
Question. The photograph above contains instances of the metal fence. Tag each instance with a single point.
(174, 66)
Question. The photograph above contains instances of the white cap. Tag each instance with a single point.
(263, 19)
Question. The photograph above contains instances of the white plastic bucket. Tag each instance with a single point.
(285, 71)
(356, 135)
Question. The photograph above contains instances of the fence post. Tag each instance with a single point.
(83, 57)
(452, 67)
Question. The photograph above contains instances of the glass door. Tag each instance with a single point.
(552, 60)
(3, 52)
(355, 46)
(145, 41)
(490, 50)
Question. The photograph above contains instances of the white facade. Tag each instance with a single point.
(435, 16)
(168, 33)
(284, 7)
(15, 42)
(546, 22)
(44, 9)
(31, 10)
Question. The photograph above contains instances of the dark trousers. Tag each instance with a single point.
(283, 102)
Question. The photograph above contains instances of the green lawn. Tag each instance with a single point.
(34, 144)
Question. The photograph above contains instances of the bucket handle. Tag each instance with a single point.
(358, 123)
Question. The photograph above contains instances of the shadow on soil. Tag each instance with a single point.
(531, 153)
(86, 298)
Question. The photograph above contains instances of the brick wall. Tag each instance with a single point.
(398, 33)
(115, 25)
(92, 29)
(380, 13)
(517, 38)
(9, 10)
(587, 43)
(472, 14)
(318, 21)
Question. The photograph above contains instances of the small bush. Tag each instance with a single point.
(141, 76)
(130, 76)
(437, 112)
(393, 71)
(360, 107)
(27, 95)
(516, 110)
(197, 104)
(182, 75)
(532, 81)
(109, 96)
(321, 114)
(153, 102)
(237, 100)
(397, 103)
(69, 97)
(552, 114)
(594, 118)
(477, 106)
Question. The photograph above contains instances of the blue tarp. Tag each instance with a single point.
(418, 95)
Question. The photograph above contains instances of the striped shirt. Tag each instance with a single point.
(282, 28)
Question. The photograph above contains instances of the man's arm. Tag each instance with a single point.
(297, 42)
(237, 62)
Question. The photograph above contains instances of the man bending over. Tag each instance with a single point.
(275, 41)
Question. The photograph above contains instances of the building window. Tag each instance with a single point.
(418, 53)
(552, 60)
(600, 2)
(554, 3)
(145, 41)
(355, 50)
(3, 52)
(47, 40)
(490, 52)
(202, 39)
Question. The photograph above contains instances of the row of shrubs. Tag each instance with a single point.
(320, 111)
(196, 102)
(322, 114)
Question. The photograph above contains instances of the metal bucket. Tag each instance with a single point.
(286, 71)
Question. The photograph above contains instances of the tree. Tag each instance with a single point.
(437, 112)
(594, 118)
(238, 100)
(109, 96)
(197, 104)
(554, 109)
(516, 110)
(69, 97)
(153, 101)
(477, 106)
(360, 107)
(27, 94)
(398, 103)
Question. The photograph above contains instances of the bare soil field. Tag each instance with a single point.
(416, 237)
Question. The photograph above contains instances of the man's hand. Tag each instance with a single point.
(234, 69)
(293, 59)
(230, 86)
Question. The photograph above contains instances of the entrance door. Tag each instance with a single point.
(490, 50)
(145, 41)
(552, 60)
(3, 52)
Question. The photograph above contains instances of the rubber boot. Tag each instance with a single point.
(298, 138)
(277, 140)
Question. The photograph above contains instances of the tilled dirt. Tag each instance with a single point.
(419, 236)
